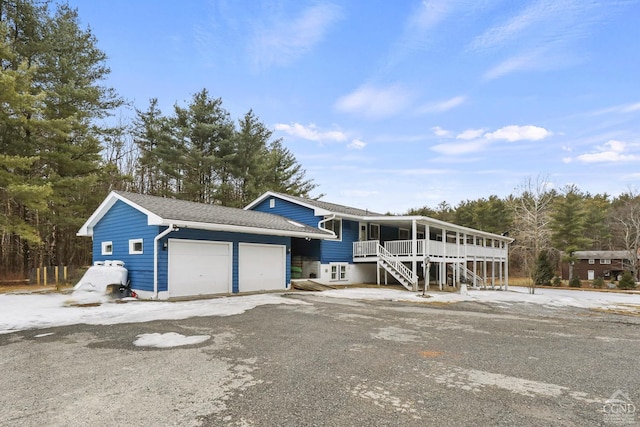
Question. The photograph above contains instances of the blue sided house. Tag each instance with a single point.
(175, 248)
(371, 247)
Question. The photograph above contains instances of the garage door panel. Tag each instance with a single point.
(261, 267)
(199, 267)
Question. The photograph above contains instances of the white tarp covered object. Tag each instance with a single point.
(100, 280)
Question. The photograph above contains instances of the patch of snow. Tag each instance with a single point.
(546, 297)
(31, 311)
(43, 335)
(169, 339)
(34, 311)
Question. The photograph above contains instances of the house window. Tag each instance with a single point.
(605, 261)
(334, 225)
(107, 248)
(338, 272)
(403, 234)
(374, 232)
(420, 235)
(135, 246)
(592, 261)
(272, 203)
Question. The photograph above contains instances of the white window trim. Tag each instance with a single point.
(104, 248)
(132, 244)
(592, 261)
(371, 233)
(339, 237)
(400, 230)
(605, 261)
(339, 266)
(272, 203)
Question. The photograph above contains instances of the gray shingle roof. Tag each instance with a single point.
(601, 254)
(182, 210)
(332, 207)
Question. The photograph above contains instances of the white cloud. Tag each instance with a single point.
(470, 134)
(625, 108)
(311, 132)
(375, 102)
(288, 39)
(438, 131)
(527, 61)
(357, 144)
(460, 148)
(631, 108)
(440, 107)
(611, 151)
(518, 133)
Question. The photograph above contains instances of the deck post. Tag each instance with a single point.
(506, 270)
(414, 253)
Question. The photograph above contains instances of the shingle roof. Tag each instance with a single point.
(182, 210)
(601, 254)
(332, 207)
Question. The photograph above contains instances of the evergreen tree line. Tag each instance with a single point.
(59, 158)
(198, 153)
(550, 225)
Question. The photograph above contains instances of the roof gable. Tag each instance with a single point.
(163, 211)
(320, 207)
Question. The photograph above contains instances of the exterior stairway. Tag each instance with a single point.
(397, 269)
(468, 276)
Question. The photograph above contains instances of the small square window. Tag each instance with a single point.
(135, 246)
(107, 248)
(592, 261)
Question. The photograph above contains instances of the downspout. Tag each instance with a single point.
(322, 221)
(172, 227)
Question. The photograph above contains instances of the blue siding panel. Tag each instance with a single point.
(330, 251)
(340, 251)
(118, 226)
(123, 222)
(289, 210)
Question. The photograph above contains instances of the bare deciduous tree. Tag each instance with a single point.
(625, 226)
(531, 215)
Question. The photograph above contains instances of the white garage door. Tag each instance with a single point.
(199, 268)
(262, 267)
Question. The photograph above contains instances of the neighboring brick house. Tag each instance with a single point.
(606, 264)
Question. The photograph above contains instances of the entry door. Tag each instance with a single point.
(363, 232)
(591, 274)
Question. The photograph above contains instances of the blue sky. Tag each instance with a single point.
(390, 105)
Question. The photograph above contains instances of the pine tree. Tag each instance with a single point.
(568, 224)
(57, 132)
(626, 281)
(543, 272)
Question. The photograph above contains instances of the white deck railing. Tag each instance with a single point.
(426, 248)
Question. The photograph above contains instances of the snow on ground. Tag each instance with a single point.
(515, 294)
(36, 311)
(169, 339)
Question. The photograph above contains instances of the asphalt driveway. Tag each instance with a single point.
(332, 362)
